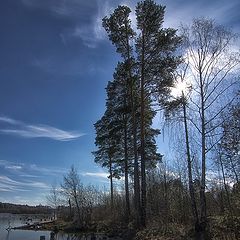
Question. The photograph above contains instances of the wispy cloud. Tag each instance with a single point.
(10, 165)
(30, 170)
(102, 177)
(28, 176)
(14, 167)
(10, 185)
(69, 8)
(92, 32)
(46, 171)
(95, 174)
(177, 12)
(85, 15)
(8, 120)
(22, 129)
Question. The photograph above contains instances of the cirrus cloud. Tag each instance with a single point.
(24, 130)
(11, 185)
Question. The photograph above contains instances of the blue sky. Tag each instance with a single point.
(55, 61)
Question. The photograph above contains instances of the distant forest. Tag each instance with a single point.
(24, 209)
(189, 78)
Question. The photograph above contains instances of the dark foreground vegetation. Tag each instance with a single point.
(189, 77)
(168, 210)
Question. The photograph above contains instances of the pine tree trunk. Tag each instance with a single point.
(134, 131)
(111, 181)
(143, 167)
(126, 173)
(135, 152)
(136, 167)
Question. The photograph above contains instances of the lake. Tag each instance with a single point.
(16, 220)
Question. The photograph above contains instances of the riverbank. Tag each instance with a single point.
(218, 227)
(41, 226)
(112, 231)
(116, 231)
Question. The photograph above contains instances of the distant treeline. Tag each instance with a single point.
(24, 209)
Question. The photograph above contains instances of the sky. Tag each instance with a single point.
(55, 62)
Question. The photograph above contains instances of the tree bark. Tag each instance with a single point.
(78, 208)
(126, 173)
(136, 166)
(143, 167)
(203, 210)
(189, 165)
(225, 184)
(111, 181)
(134, 131)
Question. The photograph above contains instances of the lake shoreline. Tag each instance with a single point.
(71, 228)
(41, 226)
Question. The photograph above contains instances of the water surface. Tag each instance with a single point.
(16, 220)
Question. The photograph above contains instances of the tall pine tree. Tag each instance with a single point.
(156, 62)
(149, 62)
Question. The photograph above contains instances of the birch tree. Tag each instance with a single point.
(212, 70)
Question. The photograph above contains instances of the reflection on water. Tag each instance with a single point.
(15, 220)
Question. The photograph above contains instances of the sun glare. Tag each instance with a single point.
(179, 88)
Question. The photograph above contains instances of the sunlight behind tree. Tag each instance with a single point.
(182, 86)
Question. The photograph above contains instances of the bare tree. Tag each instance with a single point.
(212, 68)
(176, 112)
(72, 188)
(54, 199)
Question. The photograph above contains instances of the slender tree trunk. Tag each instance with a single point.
(70, 207)
(189, 164)
(78, 208)
(126, 173)
(203, 210)
(111, 181)
(134, 131)
(143, 167)
(165, 195)
(136, 167)
(126, 135)
(135, 151)
(225, 185)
